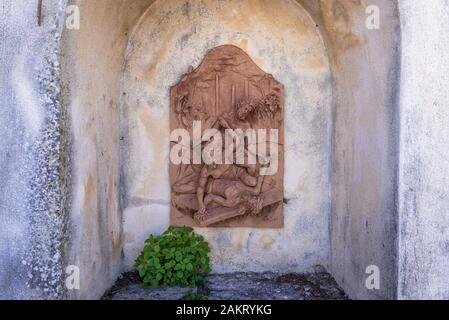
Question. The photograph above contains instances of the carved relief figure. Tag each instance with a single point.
(228, 91)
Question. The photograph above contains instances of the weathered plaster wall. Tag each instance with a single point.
(33, 163)
(93, 58)
(424, 181)
(365, 65)
(175, 34)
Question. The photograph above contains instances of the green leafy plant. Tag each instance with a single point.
(178, 257)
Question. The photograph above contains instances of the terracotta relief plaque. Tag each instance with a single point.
(227, 138)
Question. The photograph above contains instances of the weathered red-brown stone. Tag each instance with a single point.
(227, 91)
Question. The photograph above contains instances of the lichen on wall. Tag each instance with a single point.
(49, 190)
(34, 204)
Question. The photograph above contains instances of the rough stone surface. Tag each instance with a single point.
(129, 287)
(318, 285)
(269, 286)
(137, 292)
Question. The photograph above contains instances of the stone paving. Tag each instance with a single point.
(318, 285)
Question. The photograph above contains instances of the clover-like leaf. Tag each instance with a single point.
(177, 257)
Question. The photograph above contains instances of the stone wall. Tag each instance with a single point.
(92, 63)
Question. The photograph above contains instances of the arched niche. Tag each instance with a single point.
(341, 84)
(171, 36)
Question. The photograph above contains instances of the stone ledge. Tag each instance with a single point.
(318, 285)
